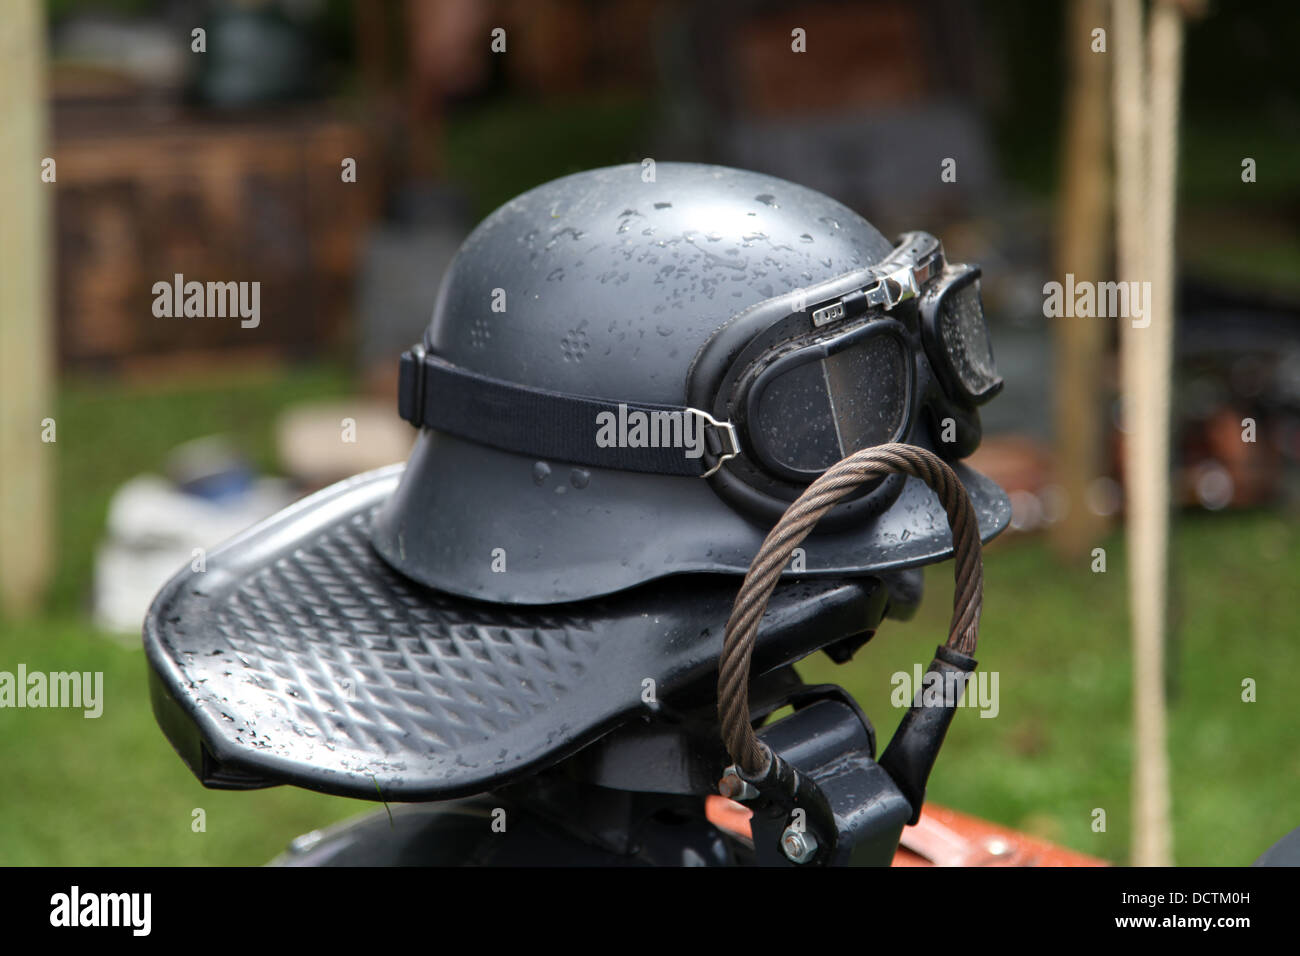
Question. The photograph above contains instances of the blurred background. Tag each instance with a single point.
(233, 163)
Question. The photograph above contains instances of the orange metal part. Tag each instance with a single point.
(941, 837)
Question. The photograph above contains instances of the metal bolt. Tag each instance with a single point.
(735, 787)
(799, 846)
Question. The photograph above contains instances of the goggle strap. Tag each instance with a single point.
(557, 426)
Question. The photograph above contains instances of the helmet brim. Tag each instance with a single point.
(299, 656)
(495, 526)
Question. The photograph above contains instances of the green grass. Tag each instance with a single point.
(111, 791)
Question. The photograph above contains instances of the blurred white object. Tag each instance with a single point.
(322, 442)
(144, 50)
(155, 529)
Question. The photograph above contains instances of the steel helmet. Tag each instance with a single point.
(631, 372)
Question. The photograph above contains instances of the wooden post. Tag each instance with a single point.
(1146, 107)
(26, 396)
(1082, 218)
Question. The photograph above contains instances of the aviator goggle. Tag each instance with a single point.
(785, 390)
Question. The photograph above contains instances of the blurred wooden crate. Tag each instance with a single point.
(860, 54)
(213, 199)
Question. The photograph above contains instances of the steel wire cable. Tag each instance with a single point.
(796, 524)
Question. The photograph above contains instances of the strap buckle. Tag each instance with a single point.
(410, 386)
(727, 439)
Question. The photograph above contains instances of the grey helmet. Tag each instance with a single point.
(630, 376)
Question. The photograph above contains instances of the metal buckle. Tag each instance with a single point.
(724, 429)
(410, 386)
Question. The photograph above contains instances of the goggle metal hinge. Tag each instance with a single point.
(900, 276)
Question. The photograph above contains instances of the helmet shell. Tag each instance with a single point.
(603, 284)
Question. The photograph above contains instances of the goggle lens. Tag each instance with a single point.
(810, 414)
(965, 337)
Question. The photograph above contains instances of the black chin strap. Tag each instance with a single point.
(555, 426)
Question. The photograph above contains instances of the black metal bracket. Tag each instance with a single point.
(823, 800)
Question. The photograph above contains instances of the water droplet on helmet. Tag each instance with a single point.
(541, 471)
(579, 478)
